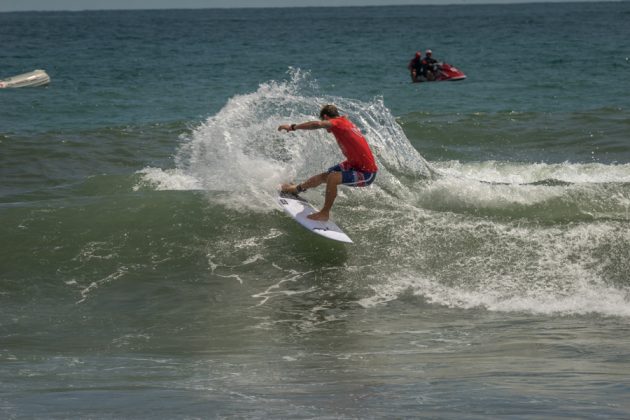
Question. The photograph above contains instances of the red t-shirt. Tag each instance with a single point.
(353, 145)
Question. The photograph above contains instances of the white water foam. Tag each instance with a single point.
(584, 298)
(561, 191)
(165, 180)
(577, 269)
(529, 173)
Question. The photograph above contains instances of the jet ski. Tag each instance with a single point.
(443, 71)
(33, 78)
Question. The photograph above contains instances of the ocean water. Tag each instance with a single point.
(146, 271)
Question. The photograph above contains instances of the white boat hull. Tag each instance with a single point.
(30, 79)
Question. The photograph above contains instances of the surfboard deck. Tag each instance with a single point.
(299, 208)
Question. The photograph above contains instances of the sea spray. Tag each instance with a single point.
(239, 149)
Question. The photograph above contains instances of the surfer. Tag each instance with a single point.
(358, 170)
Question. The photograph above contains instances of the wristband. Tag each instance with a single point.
(292, 127)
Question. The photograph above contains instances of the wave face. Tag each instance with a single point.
(505, 236)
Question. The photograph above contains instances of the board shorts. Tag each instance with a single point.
(351, 177)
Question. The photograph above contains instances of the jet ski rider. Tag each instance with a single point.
(416, 67)
(429, 66)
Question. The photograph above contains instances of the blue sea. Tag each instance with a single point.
(146, 270)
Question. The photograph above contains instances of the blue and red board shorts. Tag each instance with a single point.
(351, 177)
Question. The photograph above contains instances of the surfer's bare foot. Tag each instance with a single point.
(320, 215)
(289, 188)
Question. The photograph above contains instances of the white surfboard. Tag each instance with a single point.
(298, 208)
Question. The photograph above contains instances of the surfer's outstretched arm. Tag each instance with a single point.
(309, 125)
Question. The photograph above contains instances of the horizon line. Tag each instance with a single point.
(431, 3)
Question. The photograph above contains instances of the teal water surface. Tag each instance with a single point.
(146, 272)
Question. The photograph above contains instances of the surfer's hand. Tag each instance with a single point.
(285, 127)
